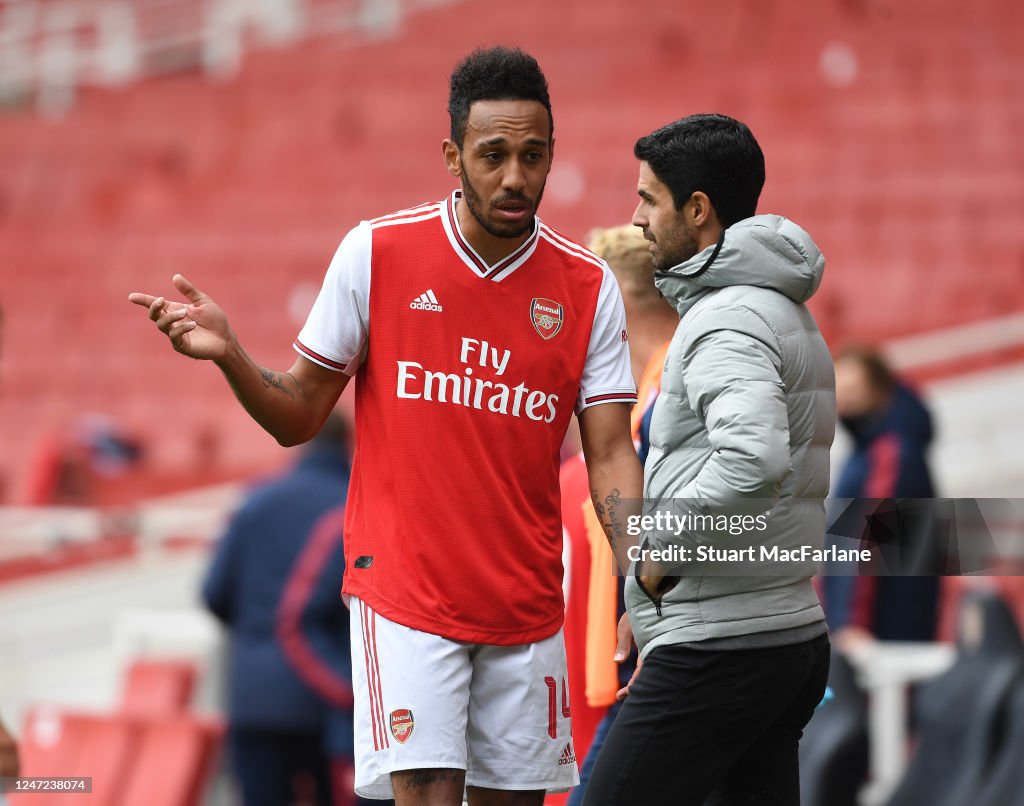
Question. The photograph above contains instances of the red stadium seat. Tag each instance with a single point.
(67, 744)
(172, 763)
(158, 687)
(132, 760)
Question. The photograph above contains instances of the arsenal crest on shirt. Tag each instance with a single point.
(546, 315)
(402, 724)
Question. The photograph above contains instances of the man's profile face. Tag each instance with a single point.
(673, 240)
(503, 164)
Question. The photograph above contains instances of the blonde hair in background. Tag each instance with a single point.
(627, 252)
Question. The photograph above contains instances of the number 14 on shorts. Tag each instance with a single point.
(552, 685)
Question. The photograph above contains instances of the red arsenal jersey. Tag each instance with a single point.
(466, 376)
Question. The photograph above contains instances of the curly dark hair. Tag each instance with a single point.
(495, 74)
(711, 153)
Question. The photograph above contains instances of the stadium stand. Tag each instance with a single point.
(890, 130)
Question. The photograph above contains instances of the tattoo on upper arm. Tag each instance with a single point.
(271, 379)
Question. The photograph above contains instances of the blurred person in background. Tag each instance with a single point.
(273, 582)
(474, 332)
(891, 431)
(651, 319)
(75, 464)
(733, 662)
(594, 603)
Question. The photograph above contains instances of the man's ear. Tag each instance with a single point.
(452, 157)
(701, 210)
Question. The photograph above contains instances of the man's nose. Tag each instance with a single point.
(514, 178)
(639, 219)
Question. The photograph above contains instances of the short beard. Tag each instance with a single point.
(681, 251)
(476, 208)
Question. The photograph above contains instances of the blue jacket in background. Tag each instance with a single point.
(275, 582)
(888, 460)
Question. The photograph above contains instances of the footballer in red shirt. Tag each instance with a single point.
(473, 332)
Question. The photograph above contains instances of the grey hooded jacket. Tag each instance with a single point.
(743, 425)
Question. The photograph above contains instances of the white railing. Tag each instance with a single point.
(49, 48)
(199, 514)
(887, 669)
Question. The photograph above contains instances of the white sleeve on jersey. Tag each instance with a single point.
(607, 376)
(334, 335)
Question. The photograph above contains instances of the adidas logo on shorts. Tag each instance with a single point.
(568, 757)
(426, 302)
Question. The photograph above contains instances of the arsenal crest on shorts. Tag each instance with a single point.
(546, 315)
(402, 724)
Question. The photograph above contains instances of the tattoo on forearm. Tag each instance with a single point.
(271, 379)
(614, 500)
(413, 779)
(607, 515)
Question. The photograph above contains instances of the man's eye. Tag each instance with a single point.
(492, 157)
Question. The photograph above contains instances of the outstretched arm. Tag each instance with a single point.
(290, 405)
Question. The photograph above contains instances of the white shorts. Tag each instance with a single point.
(422, 701)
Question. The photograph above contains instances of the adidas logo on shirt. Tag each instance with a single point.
(568, 757)
(426, 302)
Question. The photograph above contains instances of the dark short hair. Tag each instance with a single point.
(495, 74)
(711, 153)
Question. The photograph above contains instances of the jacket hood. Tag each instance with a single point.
(767, 251)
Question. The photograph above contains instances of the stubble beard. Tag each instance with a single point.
(476, 209)
(680, 250)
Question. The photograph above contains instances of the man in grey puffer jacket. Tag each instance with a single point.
(734, 648)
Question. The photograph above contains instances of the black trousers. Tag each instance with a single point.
(712, 728)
